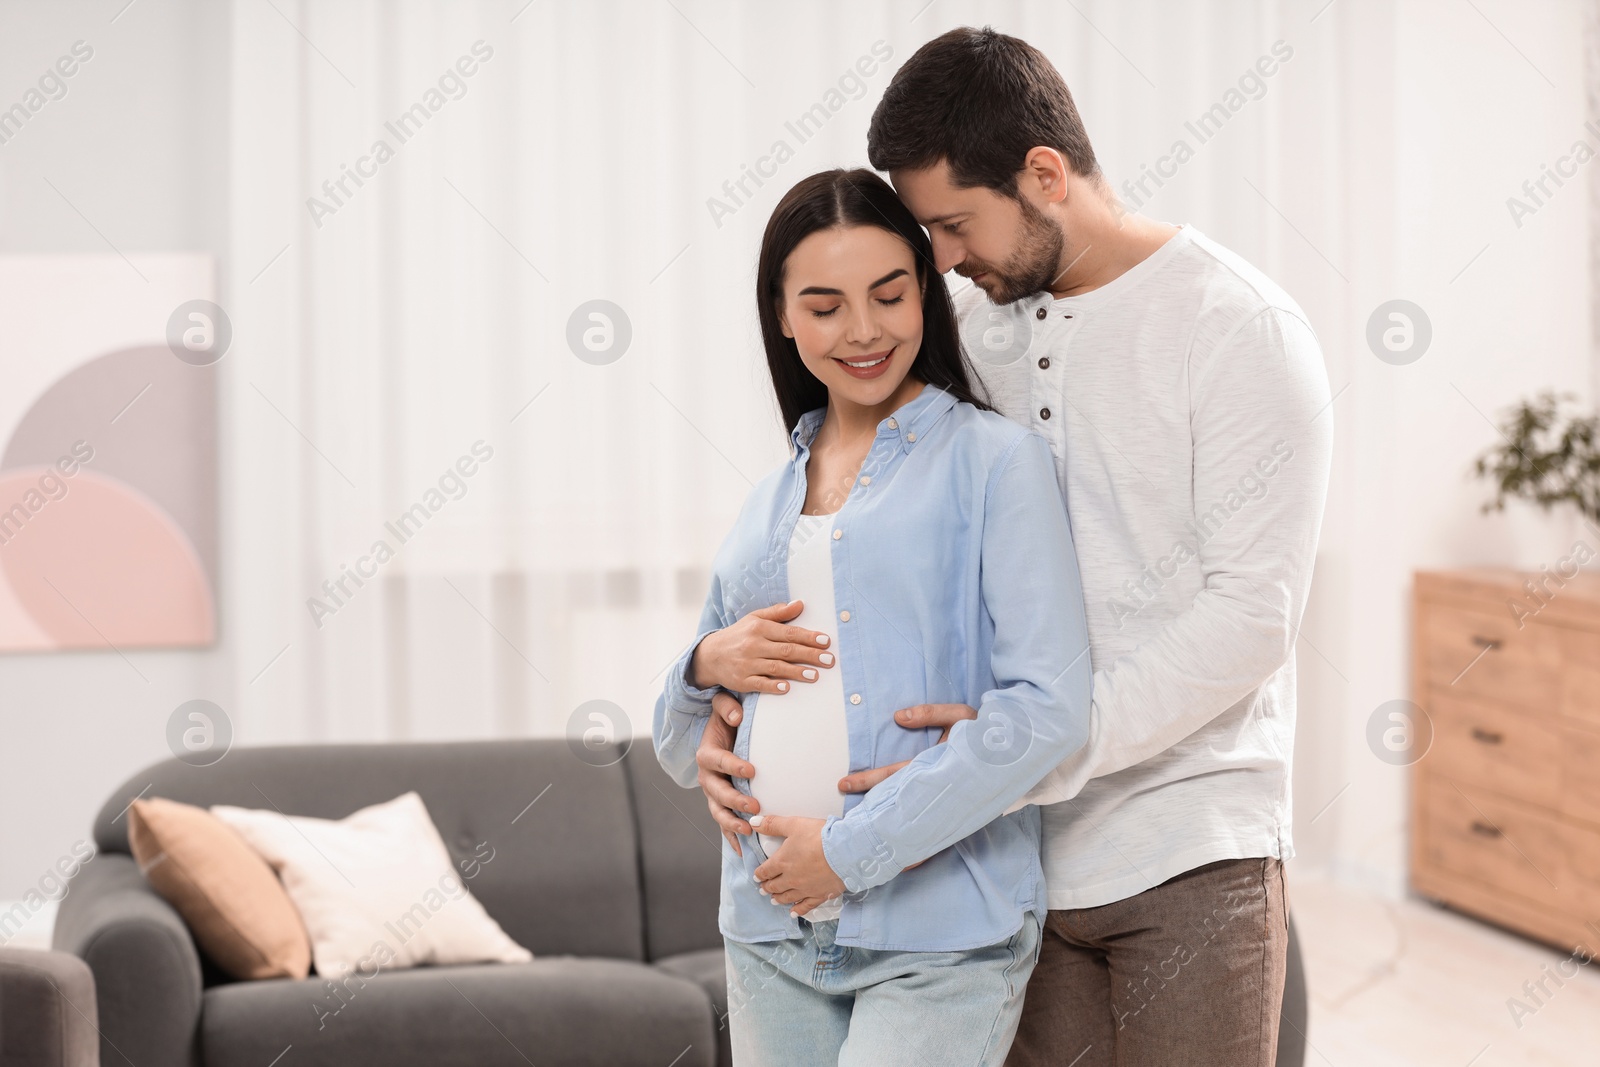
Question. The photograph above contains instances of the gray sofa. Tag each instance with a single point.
(47, 1010)
(610, 877)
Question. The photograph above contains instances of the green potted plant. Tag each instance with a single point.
(1546, 457)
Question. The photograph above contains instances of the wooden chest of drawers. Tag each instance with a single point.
(1506, 801)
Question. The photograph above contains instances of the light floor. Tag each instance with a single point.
(1406, 984)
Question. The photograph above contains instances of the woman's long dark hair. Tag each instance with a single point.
(851, 198)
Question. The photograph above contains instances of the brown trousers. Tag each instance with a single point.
(1190, 972)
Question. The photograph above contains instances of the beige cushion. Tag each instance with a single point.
(376, 889)
(233, 902)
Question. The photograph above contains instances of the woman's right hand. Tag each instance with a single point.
(760, 653)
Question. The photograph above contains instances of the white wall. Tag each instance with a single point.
(1467, 120)
(139, 146)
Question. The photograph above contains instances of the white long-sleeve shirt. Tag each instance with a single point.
(1187, 408)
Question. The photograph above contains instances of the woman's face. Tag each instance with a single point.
(853, 305)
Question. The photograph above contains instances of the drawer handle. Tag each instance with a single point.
(1484, 829)
(1485, 642)
(1488, 737)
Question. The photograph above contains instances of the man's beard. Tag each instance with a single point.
(1032, 268)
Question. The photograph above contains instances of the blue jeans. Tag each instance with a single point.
(807, 1001)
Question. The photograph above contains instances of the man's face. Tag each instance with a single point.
(1009, 248)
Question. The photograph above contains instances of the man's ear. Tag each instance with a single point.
(1046, 171)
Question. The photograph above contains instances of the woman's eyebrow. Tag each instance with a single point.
(817, 290)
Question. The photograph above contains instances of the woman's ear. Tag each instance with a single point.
(783, 323)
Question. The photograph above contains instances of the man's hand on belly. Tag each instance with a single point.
(717, 762)
(918, 717)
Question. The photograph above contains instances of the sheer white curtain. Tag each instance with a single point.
(382, 333)
(1591, 56)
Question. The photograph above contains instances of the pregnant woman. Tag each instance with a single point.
(927, 542)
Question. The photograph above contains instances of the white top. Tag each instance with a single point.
(1190, 420)
(799, 740)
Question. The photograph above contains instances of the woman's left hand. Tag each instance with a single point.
(798, 873)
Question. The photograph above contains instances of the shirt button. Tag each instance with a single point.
(911, 437)
(893, 425)
(866, 479)
(1039, 314)
(1044, 362)
(855, 698)
(1044, 413)
(838, 534)
(844, 616)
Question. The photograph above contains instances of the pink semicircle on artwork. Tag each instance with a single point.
(100, 564)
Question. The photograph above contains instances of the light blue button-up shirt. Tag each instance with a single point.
(956, 582)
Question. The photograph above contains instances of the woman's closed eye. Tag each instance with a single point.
(824, 314)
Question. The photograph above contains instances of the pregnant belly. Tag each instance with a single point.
(800, 747)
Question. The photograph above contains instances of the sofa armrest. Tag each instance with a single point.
(47, 1012)
(146, 967)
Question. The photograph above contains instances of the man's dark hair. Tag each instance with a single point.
(981, 101)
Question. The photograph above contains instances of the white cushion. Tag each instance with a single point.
(376, 890)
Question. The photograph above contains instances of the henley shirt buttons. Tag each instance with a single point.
(911, 437)
(855, 698)
(866, 479)
(1044, 362)
(838, 534)
(844, 616)
(1044, 413)
(1039, 314)
(893, 425)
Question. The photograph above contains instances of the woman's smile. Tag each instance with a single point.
(871, 365)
